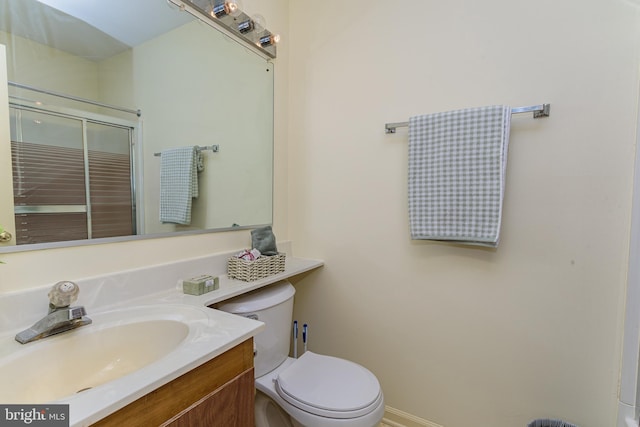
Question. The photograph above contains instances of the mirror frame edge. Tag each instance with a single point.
(120, 239)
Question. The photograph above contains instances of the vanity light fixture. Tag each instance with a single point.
(227, 17)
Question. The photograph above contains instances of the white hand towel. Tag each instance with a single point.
(457, 165)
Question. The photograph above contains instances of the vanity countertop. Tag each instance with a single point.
(211, 332)
(230, 288)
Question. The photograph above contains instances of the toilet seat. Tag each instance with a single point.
(329, 387)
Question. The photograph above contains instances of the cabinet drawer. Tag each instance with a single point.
(173, 398)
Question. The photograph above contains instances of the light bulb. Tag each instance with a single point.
(259, 22)
(235, 7)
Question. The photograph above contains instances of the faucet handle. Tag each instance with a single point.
(63, 294)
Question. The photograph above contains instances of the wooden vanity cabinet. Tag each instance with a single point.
(219, 393)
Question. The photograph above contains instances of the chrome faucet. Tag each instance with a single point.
(61, 317)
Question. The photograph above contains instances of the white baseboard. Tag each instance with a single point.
(396, 418)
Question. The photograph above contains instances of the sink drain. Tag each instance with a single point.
(83, 389)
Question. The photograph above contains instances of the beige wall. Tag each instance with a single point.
(458, 335)
(33, 63)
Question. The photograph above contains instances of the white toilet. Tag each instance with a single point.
(311, 391)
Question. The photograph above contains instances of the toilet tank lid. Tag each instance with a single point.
(260, 299)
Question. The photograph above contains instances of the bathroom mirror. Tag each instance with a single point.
(192, 85)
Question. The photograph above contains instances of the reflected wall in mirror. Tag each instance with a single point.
(87, 171)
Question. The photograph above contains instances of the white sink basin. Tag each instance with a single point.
(116, 344)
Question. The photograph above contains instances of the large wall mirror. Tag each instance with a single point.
(101, 95)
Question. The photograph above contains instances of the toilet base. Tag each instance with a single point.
(269, 413)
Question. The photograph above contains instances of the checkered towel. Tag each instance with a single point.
(178, 183)
(457, 165)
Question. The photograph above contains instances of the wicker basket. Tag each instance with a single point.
(248, 271)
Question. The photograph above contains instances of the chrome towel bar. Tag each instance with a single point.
(215, 148)
(542, 110)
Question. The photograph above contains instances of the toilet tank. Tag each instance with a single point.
(272, 305)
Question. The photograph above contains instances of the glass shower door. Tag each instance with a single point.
(110, 180)
(48, 177)
(71, 178)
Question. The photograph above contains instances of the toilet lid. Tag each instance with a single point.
(329, 386)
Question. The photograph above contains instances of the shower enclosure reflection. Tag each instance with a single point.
(72, 176)
(192, 85)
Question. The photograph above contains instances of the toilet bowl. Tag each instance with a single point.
(311, 391)
(319, 391)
